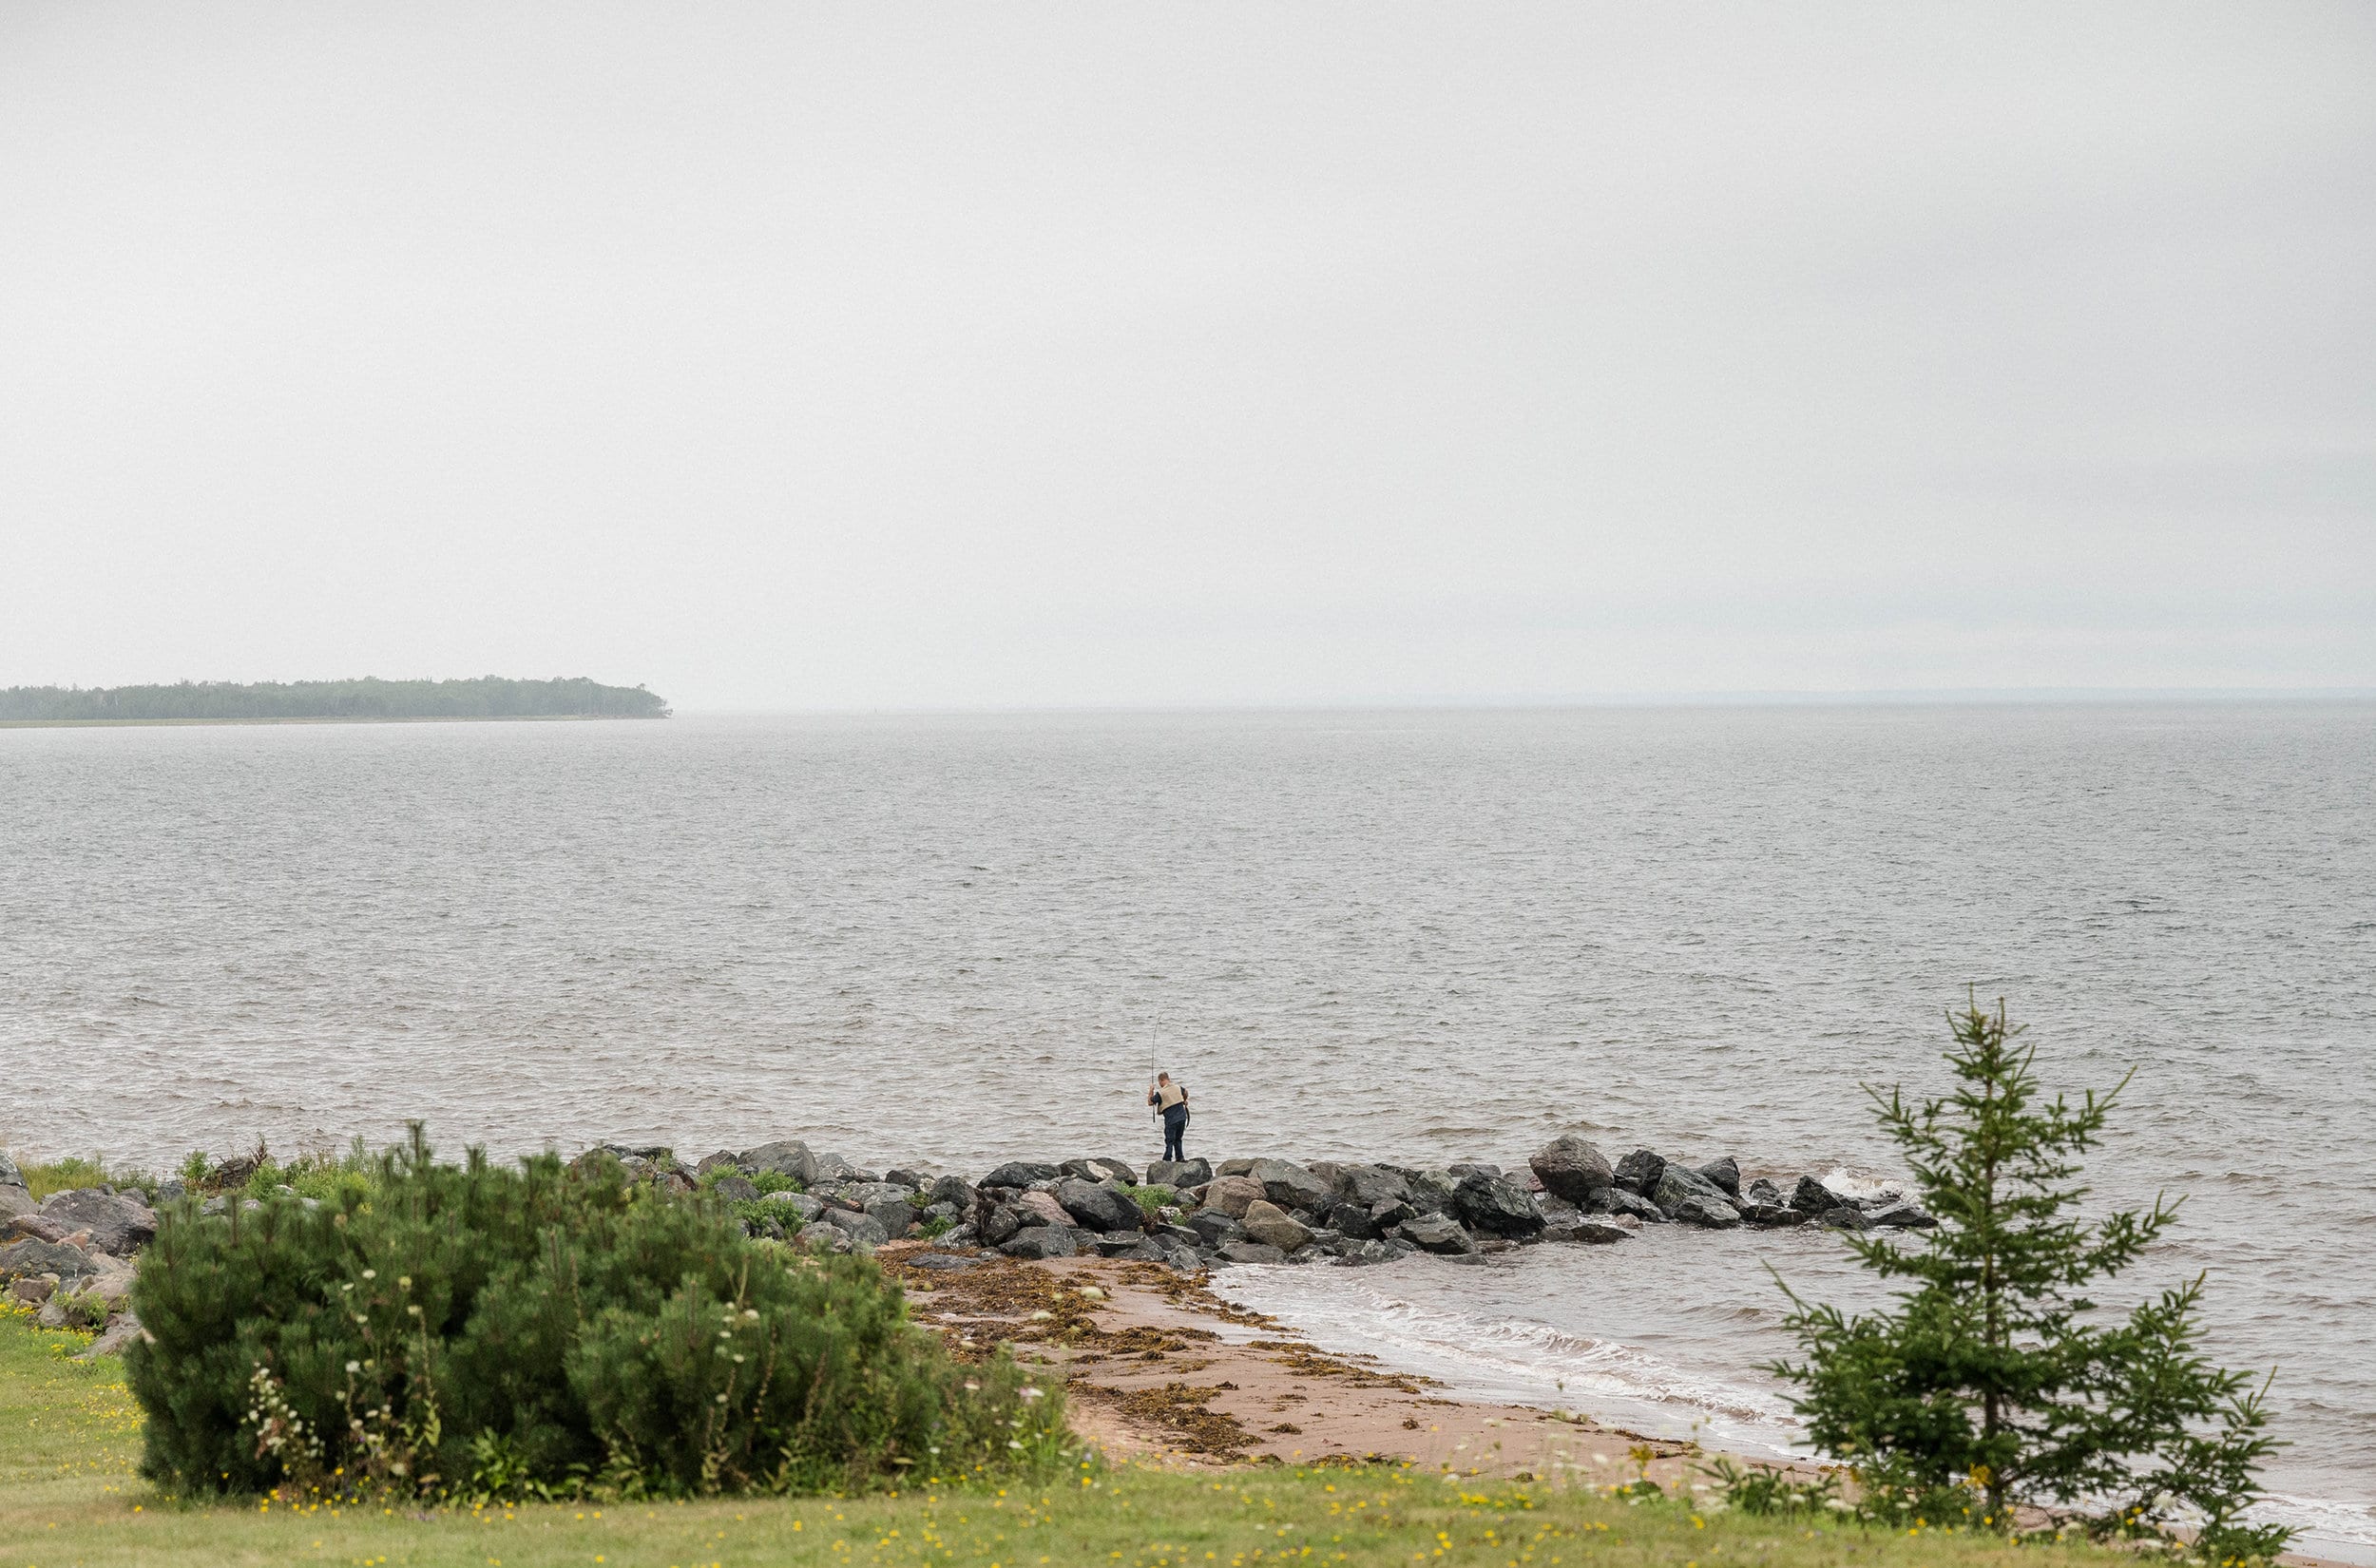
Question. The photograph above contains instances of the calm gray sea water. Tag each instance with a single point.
(1394, 934)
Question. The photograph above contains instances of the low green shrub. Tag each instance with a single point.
(45, 1176)
(544, 1330)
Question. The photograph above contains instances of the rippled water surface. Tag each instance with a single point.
(1416, 936)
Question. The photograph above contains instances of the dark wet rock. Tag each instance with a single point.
(1773, 1216)
(1268, 1223)
(1678, 1183)
(1251, 1251)
(910, 1178)
(1460, 1168)
(1213, 1226)
(952, 1189)
(1042, 1241)
(1903, 1215)
(1810, 1197)
(1391, 1213)
(1431, 1191)
(1762, 1191)
(1353, 1220)
(1099, 1208)
(1639, 1172)
(1845, 1217)
(1370, 1185)
(996, 1223)
(1726, 1174)
(117, 1225)
(1709, 1213)
(1588, 1229)
(1439, 1233)
(1100, 1168)
(1287, 1185)
(1180, 1173)
(1020, 1173)
(1571, 1168)
(735, 1188)
(1494, 1206)
(1233, 1194)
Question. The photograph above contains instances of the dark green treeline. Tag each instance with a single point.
(489, 696)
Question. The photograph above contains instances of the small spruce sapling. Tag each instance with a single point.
(1994, 1383)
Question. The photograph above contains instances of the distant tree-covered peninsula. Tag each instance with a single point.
(201, 701)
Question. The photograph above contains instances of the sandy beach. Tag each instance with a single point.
(1162, 1370)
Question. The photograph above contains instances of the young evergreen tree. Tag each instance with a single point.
(1995, 1382)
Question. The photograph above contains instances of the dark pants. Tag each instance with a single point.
(1175, 1123)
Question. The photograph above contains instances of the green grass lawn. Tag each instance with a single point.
(69, 1442)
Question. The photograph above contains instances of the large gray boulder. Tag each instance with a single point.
(1436, 1233)
(1180, 1173)
(1020, 1173)
(1432, 1191)
(1762, 1191)
(787, 1157)
(1287, 1185)
(1212, 1226)
(1251, 1251)
(863, 1229)
(954, 1190)
(735, 1188)
(117, 1224)
(1847, 1216)
(1573, 1169)
(1810, 1197)
(1370, 1185)
(10, 1175)
(1268, 1223)
(1233, 1194)
(1726, 1174)
(1097, 1206)
(1680, 1183)
(833, 1168)
(30, 1259)
(1042, 1241)
(1639, 1171)
(884, 1202)
(14, 1201)
(1496, 1206)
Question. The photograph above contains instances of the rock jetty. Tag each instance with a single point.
(72, 1256)
(1192, 1214)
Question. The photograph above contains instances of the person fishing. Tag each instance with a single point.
(1171, 1103)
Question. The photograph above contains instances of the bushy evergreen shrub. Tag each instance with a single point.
(476, 1328)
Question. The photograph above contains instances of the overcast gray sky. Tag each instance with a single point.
(957, 355)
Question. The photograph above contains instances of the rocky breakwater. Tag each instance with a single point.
(71, 1257)
(1192, 1214)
